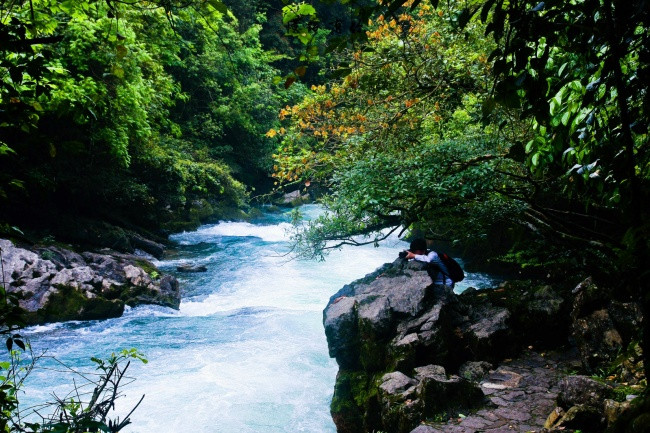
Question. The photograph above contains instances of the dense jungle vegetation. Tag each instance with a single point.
(139, 115)
(516, 130)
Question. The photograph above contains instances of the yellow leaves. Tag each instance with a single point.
(272, 132)
(351, 81)
(320, 90)
(289, 111)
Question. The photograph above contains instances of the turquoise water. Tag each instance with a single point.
(245, 353)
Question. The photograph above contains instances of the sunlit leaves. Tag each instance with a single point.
(393, 137)
(295, 11)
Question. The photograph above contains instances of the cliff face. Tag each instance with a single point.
(409, 352)
(57, 284)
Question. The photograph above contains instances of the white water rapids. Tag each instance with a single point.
(246, 353)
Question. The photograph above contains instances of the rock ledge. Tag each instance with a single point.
(56, 284)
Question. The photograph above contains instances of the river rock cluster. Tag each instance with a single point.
(419, 358)
(57, 284)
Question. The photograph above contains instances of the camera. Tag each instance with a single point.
(402, 254)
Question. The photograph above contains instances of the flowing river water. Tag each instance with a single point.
(245, 353)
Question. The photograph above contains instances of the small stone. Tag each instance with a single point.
(474, 422)
(511, 414)
(396, 383)
(499, 401)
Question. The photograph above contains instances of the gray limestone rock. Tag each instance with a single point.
(397, 383)
(55, 284)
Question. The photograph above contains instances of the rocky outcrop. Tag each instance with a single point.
(57, 284)
(602, 326)
(411, 353)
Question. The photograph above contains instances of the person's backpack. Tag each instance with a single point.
(455, 271)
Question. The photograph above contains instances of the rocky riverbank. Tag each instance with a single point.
(55, 284)
(418, 358)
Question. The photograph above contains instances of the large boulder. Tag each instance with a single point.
(601, 325)
(410, 351)
(57, 284)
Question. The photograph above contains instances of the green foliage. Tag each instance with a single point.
(399, 140)
(70, 413)
(230, 99)
(112, 113)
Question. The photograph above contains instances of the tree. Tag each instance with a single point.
(229, 97)
(399, 141)
(127, 113)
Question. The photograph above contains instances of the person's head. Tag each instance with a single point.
(418, 246)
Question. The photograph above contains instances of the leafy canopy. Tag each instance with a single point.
(398, 141)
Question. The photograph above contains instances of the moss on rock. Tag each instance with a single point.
(68, 303)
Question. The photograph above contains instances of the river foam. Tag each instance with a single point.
(247, 350)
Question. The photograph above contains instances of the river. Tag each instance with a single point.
(246, 352)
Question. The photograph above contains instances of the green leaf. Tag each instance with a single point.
(565, 118)
(340, 73)
(292, 12)
(219, 6)
(535, 159)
